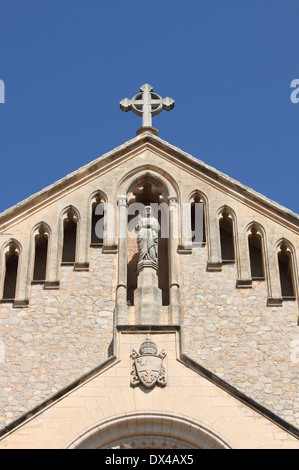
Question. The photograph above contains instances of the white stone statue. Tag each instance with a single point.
(147, 238)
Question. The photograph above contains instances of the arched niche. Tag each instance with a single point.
(41, 234)
(136, 190)
(138, 174)
(97, 225)
(149, 430)
(70, 220)
(255, 236)
(146, 191)
(11, 265)
(198, 223)
(287, 270)
(227, 233)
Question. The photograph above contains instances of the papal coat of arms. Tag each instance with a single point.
(148, 366)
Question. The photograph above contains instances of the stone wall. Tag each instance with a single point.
(56, 336)
(232, 332)
(62, 335)
(190, 411)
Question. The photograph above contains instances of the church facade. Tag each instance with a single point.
(149, 301)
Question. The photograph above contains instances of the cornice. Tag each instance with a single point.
(186, 161)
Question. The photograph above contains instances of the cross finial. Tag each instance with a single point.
(146, 104)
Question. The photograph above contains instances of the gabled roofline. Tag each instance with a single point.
(227, 180)
(241, 396)
(183, 358)
(28, 415)
(148, 137)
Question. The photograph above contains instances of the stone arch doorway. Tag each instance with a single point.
(149, 430)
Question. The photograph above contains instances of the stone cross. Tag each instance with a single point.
(146, 104)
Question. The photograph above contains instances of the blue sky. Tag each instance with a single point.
(228, 65)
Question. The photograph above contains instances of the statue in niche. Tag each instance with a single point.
(147, 238)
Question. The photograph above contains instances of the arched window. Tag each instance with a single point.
(286, 272)
(198, 227)
(40, 259)
(69, 238)
(97, 221)
(226, 237)
(255, 255)
(11, 272)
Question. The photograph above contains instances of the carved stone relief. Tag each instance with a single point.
(148, 367)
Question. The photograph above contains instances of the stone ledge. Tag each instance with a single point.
(211, 266)
(81, 267)
(109, 249)
(21, 303)
(51, 284)
(274, 302)
(148, 328)
(244, 283)
(184, 250)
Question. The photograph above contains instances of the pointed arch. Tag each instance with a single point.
(148, 191)
(11, 261)
(227, 222)
(287, 269)
(69, 219)
(199, 228)
(148, 185)
(150, 173)
(97, 219)
(257, 253)
(40, 241)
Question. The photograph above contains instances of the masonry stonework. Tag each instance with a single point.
(232, 332)
(61, 336)
(190, 411)
(232, 342)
